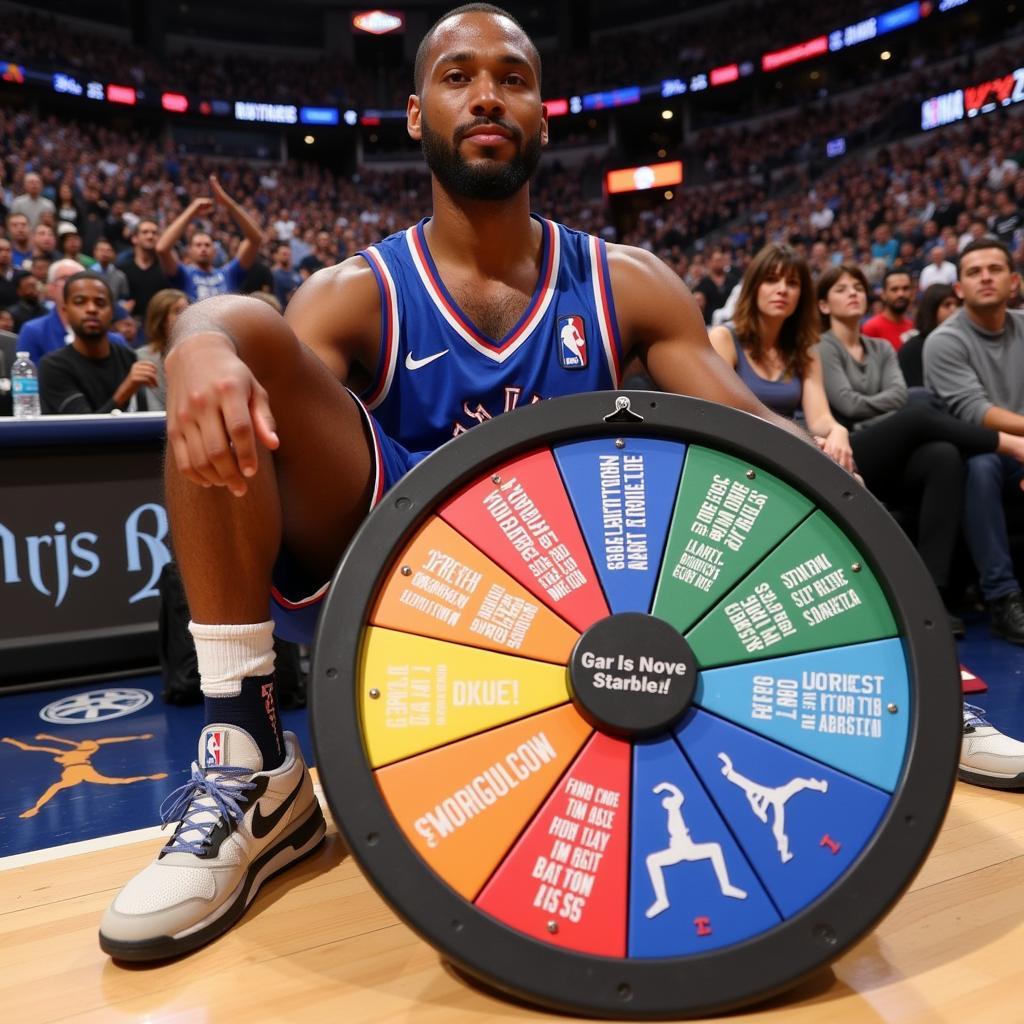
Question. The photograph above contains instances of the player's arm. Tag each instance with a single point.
(660, 322)
(218, 412)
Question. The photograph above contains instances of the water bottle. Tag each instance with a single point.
(25, 385)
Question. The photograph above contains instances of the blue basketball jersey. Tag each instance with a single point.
(438, 374)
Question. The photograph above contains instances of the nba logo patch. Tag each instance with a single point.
(572, 343)
(214, 748)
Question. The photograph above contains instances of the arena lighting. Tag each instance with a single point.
(309, 139)
(973, 100)
(174, 102)
(666, 115)
(268, 113)
(67, 84)
(319, 115)
(835, 147)
(612, 98)
(638, 179)
(860, 32)
(556, 108)
(794, 54)
(378, 23)
(121, 94)
(725, 75)
(899, 17)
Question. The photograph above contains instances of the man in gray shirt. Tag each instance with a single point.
(975, 362)
(32, 203)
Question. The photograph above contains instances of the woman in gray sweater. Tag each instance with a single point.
(907, 448)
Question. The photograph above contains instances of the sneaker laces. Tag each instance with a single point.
(973, 717)
(201, 803)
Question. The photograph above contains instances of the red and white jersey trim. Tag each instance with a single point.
(463, 327)
(602, 291)
(389, 329)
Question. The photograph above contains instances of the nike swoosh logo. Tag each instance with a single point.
(411, 363)
(263, 826)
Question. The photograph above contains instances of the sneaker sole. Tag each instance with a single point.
(976, 778)
(287, 851)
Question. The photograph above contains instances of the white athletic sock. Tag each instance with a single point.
(229, 654)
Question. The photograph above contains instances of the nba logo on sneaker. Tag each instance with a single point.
(214, 748)
(572, 343)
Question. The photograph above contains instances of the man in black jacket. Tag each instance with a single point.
(91, 375)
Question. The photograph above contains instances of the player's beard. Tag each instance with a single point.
(485, 178)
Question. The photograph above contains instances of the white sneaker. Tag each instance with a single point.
(987, 757)
(237, 826)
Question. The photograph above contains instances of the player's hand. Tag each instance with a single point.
(836, 445)
(217, 413)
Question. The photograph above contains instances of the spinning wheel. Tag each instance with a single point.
(635, 706)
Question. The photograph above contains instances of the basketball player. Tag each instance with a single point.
(273, 463)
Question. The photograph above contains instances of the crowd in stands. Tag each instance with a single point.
(676, 48)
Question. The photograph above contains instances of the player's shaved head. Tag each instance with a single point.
(422, 52)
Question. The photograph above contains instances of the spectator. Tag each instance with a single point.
(939, 270)
(162, 313)
(39, 268)
(286, 278)
(27, 304)
(717, 284)
(92, 375)
(1007, 220)
(68, 210)
(32, 202)
(977, 229)
(884, 247)
(323, 255)
(142, 268)
(69, 242)
(975, 363)
(8, 291)
(1001, 169)
(772, 345)
(938, 303)
(95, 210)
(104, 265)
(284, 226)
(908, 452)
(51, 332)
(18, 232)
(125, 325)
(200, 280)
(892, 324)
(44, 242)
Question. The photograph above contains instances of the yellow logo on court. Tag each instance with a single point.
(77, 762)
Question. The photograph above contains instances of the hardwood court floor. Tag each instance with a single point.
(319, 945)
